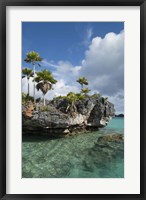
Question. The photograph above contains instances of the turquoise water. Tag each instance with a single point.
(116, 125)
(72, 157)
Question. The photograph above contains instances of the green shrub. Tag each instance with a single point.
(26, 98)
(47, 108)
(96, 95)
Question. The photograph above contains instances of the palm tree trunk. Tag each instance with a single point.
(28, 87)
(34, 82)
(81, 86)
(44, 100)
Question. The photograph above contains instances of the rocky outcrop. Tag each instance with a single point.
(120, 115)
(54, 119)
(105, 151)
(110, 138)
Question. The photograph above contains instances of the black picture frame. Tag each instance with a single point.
(3, 127)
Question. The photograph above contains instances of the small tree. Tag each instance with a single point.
(82, 81)
(44, 81)
(34, 58)
(71, 97)
(85, 91)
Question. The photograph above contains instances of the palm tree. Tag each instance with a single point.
(72, 98)
(33, 57)
(85, 91)
(44, 81)
(27, 72)
(82, 81)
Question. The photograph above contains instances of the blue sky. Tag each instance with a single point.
(63, 41)
(76, 47)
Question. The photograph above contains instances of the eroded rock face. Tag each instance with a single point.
(54, 120)
(28, 109)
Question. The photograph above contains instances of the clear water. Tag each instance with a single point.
(116, 125)
(70, 157)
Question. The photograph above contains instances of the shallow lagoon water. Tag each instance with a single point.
(69, 157)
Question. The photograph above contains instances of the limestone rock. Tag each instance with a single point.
(53, 119)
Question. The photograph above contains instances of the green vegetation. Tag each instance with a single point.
(34, 58)
(96, 95)
(44, 81)
(80, 96)
(26, 98)
(71, 97)
(47, 108)
(82, 81)
(85, 91)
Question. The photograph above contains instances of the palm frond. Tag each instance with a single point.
(82, 80)
(39, 65)
(32, 57)
(45, 75)
(27, 72)
(85, 90)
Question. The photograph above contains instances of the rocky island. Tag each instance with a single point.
(71, 90)
(62, 117)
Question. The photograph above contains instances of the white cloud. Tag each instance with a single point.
(60, 88)
(118, 101)
(31, 87)
(103, 66)
(104, 63)
(67, 72)
(48, 64)
(87, 37)
(89, 33)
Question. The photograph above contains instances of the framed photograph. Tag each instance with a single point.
(72, 99)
